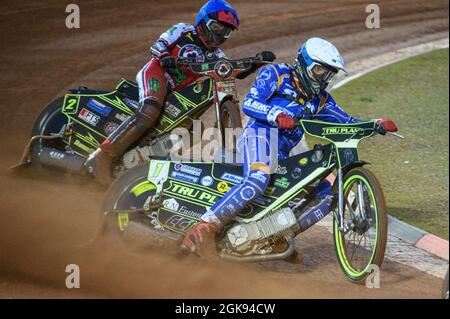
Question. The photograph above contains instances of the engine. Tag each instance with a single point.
(244, 238)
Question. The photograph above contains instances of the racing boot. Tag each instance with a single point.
(99, 163)
(200, 239)
(315, 213)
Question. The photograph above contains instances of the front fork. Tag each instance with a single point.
(340, 215)
(217, 108)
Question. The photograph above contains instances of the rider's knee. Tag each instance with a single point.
(259, 166)
(149, 112)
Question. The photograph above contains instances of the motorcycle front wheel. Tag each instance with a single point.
(130, 192)
(361, 246)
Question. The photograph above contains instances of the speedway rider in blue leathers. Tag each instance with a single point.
(280, 94)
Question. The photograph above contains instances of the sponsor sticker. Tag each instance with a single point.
(154, 85)
(185, 210)
(89, 117)
(247, 193)
(207, 181)
(171, 204)
(188, 169)
(303, 161)
(282, 182)
(131, 103)
(209, 55)
(223, 69)
(194, 194)
(259, 176)
(110, 127)
(99, 107)
(185, 177)
(282, 170)
(231, 178)
(121, 117)
(57, 155)
(193, 52)
(172, 110)
(223, 187)
(296, 173)
(340, 130)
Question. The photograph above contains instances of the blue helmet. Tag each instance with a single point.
(215, 21)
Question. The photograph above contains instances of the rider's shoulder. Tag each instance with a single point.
(181, 28)
(283, 68)
(273, 71)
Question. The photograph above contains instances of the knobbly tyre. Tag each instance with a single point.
(162, 199)
(73, 126)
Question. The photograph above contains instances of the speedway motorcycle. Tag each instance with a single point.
(162, 199)
(73, 126)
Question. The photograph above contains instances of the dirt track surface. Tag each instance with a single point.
(45, 222)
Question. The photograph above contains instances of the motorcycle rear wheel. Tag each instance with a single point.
(360, 251)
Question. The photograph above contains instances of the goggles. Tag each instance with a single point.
(219, 28)
(320, 73)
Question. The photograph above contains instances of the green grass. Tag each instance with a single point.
(414, 171)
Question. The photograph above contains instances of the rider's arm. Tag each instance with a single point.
(168, 39)
(329, 111)
(256, 102)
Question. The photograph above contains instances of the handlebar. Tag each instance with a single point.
(222, 68)
(396, 135)
(378, 129)
(192, 61)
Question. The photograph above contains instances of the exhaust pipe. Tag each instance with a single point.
(55, 158)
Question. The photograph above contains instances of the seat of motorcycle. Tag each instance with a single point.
(85, 90)
(128, 88)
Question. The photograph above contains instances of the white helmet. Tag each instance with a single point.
(318, 61)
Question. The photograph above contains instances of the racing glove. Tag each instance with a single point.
(264, 56)
(385, 126)
(267, 56)
(285, 121)
(167, 61)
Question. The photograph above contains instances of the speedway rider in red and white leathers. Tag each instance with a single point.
(213, 26)
(280, 94)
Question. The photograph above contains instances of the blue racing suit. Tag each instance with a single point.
(262, 144)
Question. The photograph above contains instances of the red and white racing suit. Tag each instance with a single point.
(181, 41)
